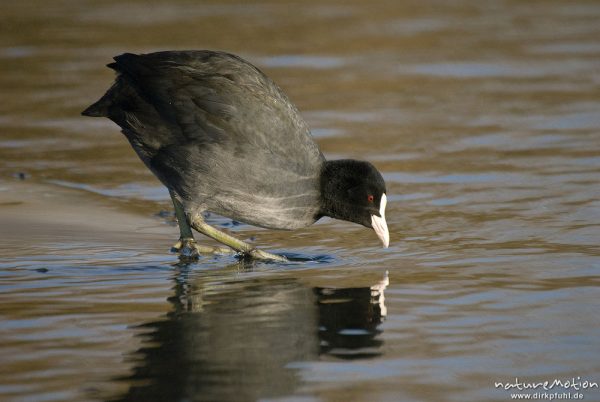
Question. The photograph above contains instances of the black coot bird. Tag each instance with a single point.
(223, 137)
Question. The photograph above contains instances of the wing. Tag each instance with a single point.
(215, 97)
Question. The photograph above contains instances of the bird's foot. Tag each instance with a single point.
(188, 248)
(244, 249)
(264, 255)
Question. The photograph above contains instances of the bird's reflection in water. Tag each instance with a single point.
(232, 333)
(349, 320)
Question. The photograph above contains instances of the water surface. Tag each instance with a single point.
(484, 119)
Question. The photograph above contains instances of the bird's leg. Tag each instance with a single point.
(186, 245)
(198, 223)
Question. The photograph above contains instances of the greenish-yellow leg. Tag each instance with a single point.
(198, 223)
(186, 245)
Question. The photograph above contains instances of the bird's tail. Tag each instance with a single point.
(98, 109)
(102, 106)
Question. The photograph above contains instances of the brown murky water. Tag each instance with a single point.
(484, 118)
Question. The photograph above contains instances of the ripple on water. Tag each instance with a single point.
(483, 119)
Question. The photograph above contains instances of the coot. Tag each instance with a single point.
(223, 137)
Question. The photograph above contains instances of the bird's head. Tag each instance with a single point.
(355, 191)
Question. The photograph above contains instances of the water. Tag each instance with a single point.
(484, 119)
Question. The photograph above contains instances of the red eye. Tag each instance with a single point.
(370, 198)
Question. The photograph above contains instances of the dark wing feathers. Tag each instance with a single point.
(212, 95)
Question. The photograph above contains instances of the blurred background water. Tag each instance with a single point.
(484, 118)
